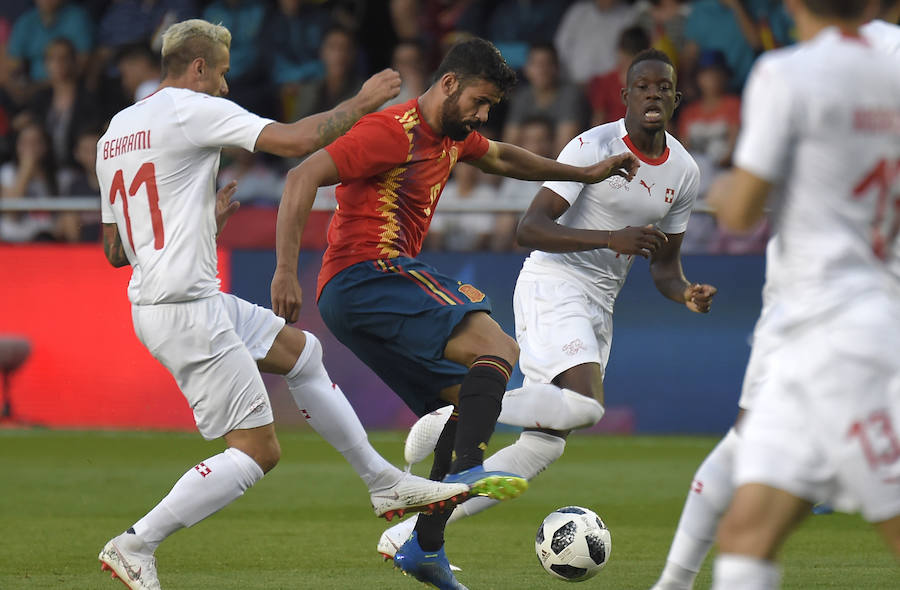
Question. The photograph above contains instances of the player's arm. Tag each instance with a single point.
(506, 159)
(305, 136)
(112, 245)
(300, 188)
(539, 230)
(738, 199)
(668, 276)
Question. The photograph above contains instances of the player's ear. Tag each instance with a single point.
(624, 95)
(449, 83)
(198, 66)
(677, 98)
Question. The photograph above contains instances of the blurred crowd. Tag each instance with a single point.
(67, 66)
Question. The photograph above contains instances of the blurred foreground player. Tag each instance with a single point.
(428, 336)
(712, 487)
(157, 165)
(585, 238)
(824, 424)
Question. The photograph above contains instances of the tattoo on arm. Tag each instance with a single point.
(114, 250)
(335, 125)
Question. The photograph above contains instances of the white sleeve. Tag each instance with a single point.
(676, 220)
(576, 153)
(767, 122)
(210, 121)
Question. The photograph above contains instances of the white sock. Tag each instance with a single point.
(527, 457)
(707, 500)
(327, 410)
(543, 405)
(205, 489)
(738, 572)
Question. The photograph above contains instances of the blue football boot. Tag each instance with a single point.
(498, 485)
(430, 567)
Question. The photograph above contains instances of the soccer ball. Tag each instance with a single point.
(573, 544)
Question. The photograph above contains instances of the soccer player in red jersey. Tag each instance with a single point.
(427, 335)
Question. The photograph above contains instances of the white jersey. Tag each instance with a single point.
(662, 193)
(811, 113)
(157, 166)
(882, 35)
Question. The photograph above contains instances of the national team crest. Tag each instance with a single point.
(474, 295)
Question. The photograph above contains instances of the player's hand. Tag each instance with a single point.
(380, 88)
(225, 207)
(698, 298)
(624, 165)
(287, 296)
(643, 241)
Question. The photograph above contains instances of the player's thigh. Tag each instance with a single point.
(216, 373)
(556, 328)
(259, 329)
(759, 519)
(284, 352)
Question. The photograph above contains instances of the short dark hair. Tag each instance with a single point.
(477, 58)
(841, 9)
(138, 50)
(634, 40)
(649, 55)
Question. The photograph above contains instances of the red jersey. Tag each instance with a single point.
(393, 168)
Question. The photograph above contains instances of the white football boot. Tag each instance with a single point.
(130, 561)
(412, 493)
(424, 434)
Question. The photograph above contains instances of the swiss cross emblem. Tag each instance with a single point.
(670, 195)
(202, 469)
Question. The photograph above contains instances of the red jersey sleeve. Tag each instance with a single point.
(474, 146)
(373, 145)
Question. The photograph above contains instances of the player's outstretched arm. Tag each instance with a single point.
(738, 199)
(509, 160)
(305, 136)
(112, 245)
(668, 276)
(299, 193)
(539, 230)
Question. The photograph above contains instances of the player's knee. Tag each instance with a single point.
(269, 455)
(508, 349)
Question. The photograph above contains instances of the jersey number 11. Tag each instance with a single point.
(146, 175)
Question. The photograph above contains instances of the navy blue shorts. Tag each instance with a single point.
(397, 315)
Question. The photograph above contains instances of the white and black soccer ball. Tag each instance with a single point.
(573, 544)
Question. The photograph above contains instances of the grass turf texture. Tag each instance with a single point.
(308, 524)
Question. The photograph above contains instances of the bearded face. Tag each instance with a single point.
(453, 123)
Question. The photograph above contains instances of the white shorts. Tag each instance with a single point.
(211, 347)
(560, 324)
(826, 424)
(764, 341)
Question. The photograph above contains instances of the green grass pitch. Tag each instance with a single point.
(308, 524)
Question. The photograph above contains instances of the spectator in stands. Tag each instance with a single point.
(463, 231)
(31, 173)
(80, 180)
(605, 91)
(256, 180)
(740, 29)
(708, 127)
(341, 80)
(409, 59)
(139, 70)
(546, 94)
(536, 136)
(664, 20)
(133, 21)
(514, 25)
(586, 37)
(35, 29)
(293, 33)
(64, 103)
(248, 80)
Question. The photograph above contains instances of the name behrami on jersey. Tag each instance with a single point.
(662, 193)
(157, 166)
(824, 118)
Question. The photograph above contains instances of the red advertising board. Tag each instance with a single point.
(86, 367)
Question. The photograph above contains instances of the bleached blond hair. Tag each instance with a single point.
(187, 40)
